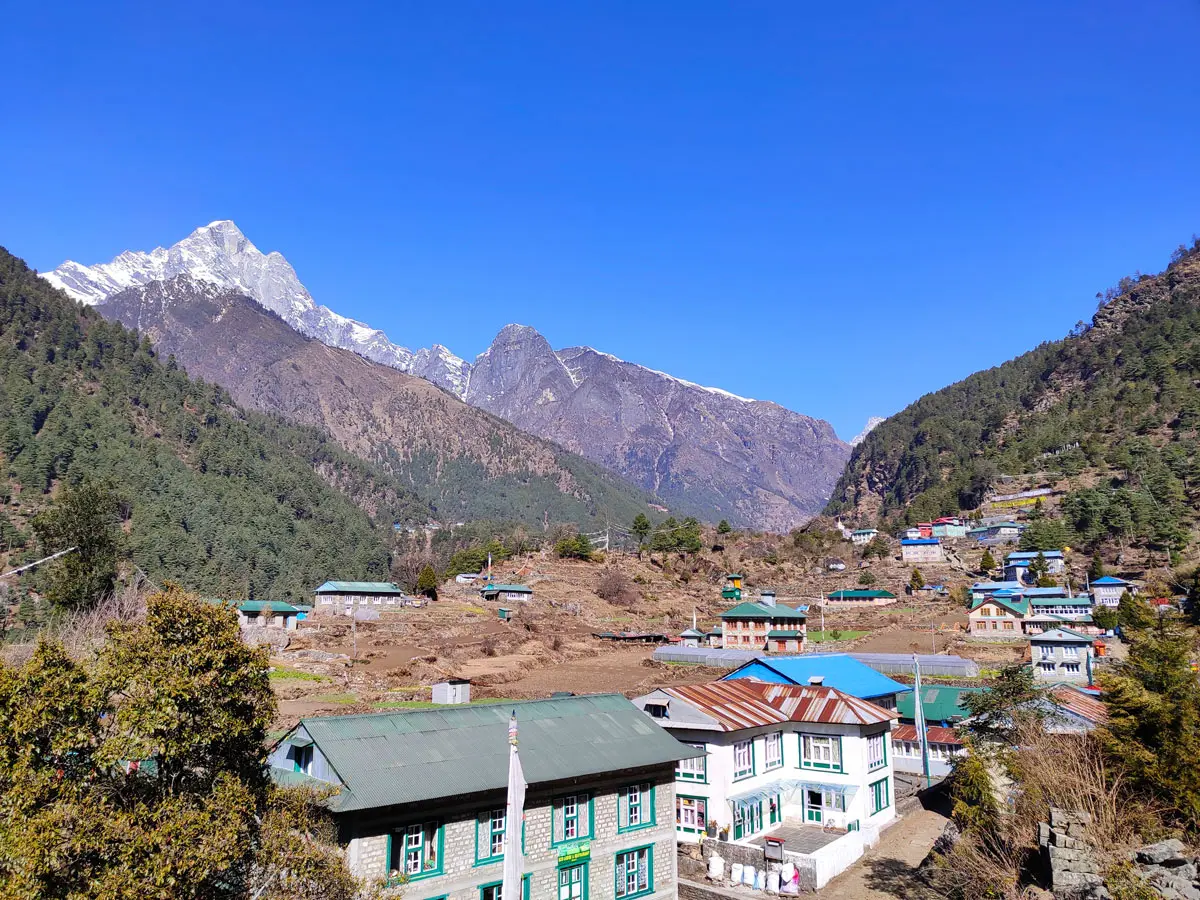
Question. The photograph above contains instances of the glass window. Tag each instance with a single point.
(743, 759)
(495, 890)
(416, 850)
(572, 818)
(1070, 653)
(1047, 667)
(690, 813)
(303, 758)
(876, 754)
(570, 883)
(633, 876)
(880, 796)
(693, 769)
(774, 750)
(820, 752)
(1073, 668)
(489, 835)
(635, 807)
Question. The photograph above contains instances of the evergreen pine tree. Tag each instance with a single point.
(988, 562)
(427, 582)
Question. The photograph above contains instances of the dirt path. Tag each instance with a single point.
(886, 872)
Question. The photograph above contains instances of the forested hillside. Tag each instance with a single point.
(220, 500)
(1124, 389)
(465, 463)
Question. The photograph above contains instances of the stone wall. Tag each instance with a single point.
(461, 876)
(1073, 868)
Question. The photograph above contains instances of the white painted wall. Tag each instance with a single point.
(720, 784)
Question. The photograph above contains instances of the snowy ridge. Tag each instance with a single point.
(220, 254)
(862, 435)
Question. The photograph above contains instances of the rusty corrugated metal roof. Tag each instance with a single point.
(751, 704)
(936, 734)
(1080, 704)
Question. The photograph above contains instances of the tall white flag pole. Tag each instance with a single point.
(514, 815)
(919, 712)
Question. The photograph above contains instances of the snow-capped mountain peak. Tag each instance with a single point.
(219, 253)
(862, 435)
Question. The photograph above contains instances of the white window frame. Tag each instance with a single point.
(693, 769)
(743, 768)
(821, 751)
(773, 750)
(876, 751)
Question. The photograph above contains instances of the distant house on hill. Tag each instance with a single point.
(861, 598)
(733, 587)
(1016, 565)
(1061, 654)
(512, 592)
(749, 625)
(1108, 590)
(262, 613)
(948, 527)
(343, 596)
(998, 614)
(862, 536)
(921, 550)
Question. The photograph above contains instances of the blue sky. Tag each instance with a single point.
(838, 207)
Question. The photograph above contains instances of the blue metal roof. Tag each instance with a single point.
(996, 586)
(839, 670)
(908, 542)
(1019, 555)
(1109, 579)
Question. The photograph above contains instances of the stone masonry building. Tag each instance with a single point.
(422, 797)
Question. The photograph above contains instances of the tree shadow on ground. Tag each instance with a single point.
(896, 878)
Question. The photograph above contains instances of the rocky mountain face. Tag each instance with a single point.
(753, 463)
(713, 453)
(219, 254)
(466, 463)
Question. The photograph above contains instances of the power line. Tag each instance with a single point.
(38, 562)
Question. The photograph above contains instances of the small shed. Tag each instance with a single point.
(451, 691)
(261, 613)
(514, 592)
(691, 637)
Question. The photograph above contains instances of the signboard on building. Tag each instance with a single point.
(579, 851)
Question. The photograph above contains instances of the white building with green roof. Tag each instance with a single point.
(422, 794)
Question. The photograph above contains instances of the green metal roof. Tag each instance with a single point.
(277, 606)
(750, 610)
(862, 595)
(1020, 606)
(358, 587)
(425, 755)
(509, 588)
(938, 703)
(784, 634)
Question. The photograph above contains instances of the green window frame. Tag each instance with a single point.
(633, 872)
(775, 737)
(880, 796)
(489, 836)
(882, 761)
(744, 769)
(494, 890)
(810, 754)
(415, 852)
(635, 807)
(747, 819)
(695, 770)
(564, 872)
(572, 818)
(699, 808)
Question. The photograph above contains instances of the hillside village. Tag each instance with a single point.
(291, 611)
(802, 735)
